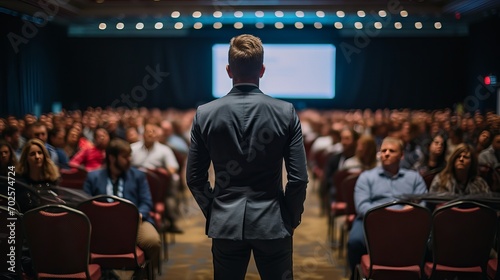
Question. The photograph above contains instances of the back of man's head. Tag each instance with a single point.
(246, 56)
(116, 147)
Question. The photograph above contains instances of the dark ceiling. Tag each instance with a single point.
(81, 14)
(70, 11)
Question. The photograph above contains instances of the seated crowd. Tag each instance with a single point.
(396, 152)
(114, 148)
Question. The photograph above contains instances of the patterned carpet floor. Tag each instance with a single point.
(190, 255)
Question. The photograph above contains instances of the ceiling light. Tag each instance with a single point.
(318, 25)
(198, 25)
(238, 25)
(175, 14)
(338, 25)
(398, 25)
(358, 25)
(120, 26)
(279, 25)
(438, 25)
(259, 14)
(139, 26)
(361, 13)
(403, 13)
(217, 14)
(238, 14)
(158, 25)
(217, 25)
(299, 14)
(279, 14)
(378, 25)
(178, 25)
(259, 25)
(320, 14)
(340, 14)
(418, 25)
(102, 26)
(299, 25)
(197, 14)
(382, 13)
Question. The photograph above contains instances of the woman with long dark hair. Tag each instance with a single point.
(461, 175)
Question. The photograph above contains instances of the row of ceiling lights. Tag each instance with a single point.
(278, 25)
(280, 14)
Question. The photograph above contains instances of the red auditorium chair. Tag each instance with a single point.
(396, 238)
(113, 243)
(59, 238)
(463, 234)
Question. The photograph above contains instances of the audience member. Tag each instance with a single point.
(91, 127)
(327, 191)
(461, 174)
(378, 186)
(365, 157)
(8, 159)
(434, 156)
(490, 157)
(57, 140)
(71, 145)
(171, 137)
(92, 158)
(455, 137)
(12, 135)
(36, 169)
(132, 135)
(122, 180)
(39, 130)
(489, 162)
(412, 153)
(483, 140)
(150, 154)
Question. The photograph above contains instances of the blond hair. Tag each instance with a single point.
(246, 56)
(50, 172)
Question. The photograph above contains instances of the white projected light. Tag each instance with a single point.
(293, 71)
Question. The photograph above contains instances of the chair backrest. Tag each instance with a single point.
(347, 190)
(396, 235)
(463, 234)
(166, 182)
(73, 178)
(338, 177)
(59, 238)
(156, 186)
(115, 223)
(11, 237)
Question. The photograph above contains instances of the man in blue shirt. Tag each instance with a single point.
(378, 186)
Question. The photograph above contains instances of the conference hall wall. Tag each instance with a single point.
(387, 72)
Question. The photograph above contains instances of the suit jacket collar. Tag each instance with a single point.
(245, 88)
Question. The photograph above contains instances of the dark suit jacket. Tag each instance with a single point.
(246, 135)
(135, 188)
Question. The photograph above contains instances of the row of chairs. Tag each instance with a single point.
(69, 243)
(158, 181)
(460, 235)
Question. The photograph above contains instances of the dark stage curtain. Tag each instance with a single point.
(30, 67)
(163, 72)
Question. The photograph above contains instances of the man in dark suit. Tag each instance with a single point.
(119, 179)
(247, 135)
